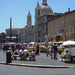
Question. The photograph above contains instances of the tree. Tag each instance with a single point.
(57, 38)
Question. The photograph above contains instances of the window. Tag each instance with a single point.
(71, 14)
(66, 21)
(71, 20)
(71, 36)
(61, 23)
(66, 30)
(58, 31)
(71, 29)
(67, 37)
(54, 31)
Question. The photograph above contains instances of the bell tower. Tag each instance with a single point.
(37, 12)
(29, 22)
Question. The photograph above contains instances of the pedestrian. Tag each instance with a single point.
(51, 51)
(37, 49)
(23, 47)
(13, 47)
(65, 56)
(27, 47)
(55, 49)
(47, 50)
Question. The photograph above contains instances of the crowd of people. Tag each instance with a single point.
(22, 49)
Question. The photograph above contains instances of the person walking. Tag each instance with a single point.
(47, 50)
(55, 49)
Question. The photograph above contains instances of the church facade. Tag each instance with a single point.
(39, 30)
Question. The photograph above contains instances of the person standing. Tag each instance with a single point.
(55, 50)
(51, 51)
(47, 50)
(37, 49)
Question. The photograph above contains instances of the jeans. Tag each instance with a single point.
(55, 54)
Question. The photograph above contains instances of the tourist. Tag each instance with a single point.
(23, 47)
(27, 47)
(25, 52)
(65, 56)
(55, 49)
(21, 53)
(47, 50)
(33, 54)
(51, 51)
(37, 49)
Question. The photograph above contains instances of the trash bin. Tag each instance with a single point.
(8, 57)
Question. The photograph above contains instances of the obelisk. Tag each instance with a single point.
(10, 28)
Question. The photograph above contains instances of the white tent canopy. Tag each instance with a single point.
(69, 43)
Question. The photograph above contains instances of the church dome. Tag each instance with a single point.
(45, 9)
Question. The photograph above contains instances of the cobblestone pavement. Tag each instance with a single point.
(40, 60)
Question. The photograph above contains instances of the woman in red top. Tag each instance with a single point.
(37, 49)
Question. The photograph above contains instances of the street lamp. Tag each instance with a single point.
(64, 34)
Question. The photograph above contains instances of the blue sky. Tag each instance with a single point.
(18, 10)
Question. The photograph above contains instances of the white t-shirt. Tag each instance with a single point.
(33, 53)
(20, 52)
(25, 52)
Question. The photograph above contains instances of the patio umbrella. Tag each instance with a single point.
(68, 43)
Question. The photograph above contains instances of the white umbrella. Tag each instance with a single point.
(68, 43)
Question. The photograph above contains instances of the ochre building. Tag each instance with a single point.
(62, 27)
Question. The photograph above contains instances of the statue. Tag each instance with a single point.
(46, 40)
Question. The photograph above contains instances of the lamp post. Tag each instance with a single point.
(64, 34)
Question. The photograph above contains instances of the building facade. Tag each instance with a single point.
(14, 32)
(37, 31)
(48, 24)
(63, 26)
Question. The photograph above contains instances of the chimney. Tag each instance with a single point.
(68, 9)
